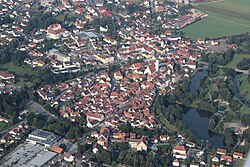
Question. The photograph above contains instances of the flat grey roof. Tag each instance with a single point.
(43, 137)
(88, 34)
(41, 133)
(43, 157)
(29, 155)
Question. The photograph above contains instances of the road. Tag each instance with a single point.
(14, 126)
(235, 69)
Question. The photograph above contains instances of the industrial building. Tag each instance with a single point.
(45, 138)
(28, 155)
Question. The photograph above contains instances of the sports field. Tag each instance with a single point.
(225, 18)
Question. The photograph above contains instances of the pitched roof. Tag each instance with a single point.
(180, 148)
(67, 155)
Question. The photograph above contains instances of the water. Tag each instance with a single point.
(198, 120)
(195, 80)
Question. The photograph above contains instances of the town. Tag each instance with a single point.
(117, 58)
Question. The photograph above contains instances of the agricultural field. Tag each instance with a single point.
(225, 18)
(237, 58)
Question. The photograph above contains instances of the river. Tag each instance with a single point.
(237, 93)
(195, 80)
(198, 120)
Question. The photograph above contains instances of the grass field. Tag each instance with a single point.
(165, 123)
(245, 110)
(24, 81)
(237, 58)
(225, 18)
(3, 126)
(244, 87)
(17, 69)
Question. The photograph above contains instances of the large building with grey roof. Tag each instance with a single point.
(29, 155)
(43, 137)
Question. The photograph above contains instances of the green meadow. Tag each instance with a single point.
(225, 18)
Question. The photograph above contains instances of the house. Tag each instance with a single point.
(176, 162)
(215, 43)
(142, 144)
(201, 41)
(164, 138)
(99, 3)
(95, 148)
(103, 137)
(154, 66)
(5, 75)
(191, 64)
(68, 157)
(214, 159)
(190, 144)
(105, 58)
(94, 134)
(4, 119)
(118, 75)
(95, 116)
(119, 135)
(238, 155)
(221, 151)
(179, 150)
(226, 158)
(138, 144)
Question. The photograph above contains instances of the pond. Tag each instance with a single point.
(197, 120)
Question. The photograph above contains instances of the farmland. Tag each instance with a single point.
(225, 18)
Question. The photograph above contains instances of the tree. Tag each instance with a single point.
(246, 135)
(234, 105)
(211, 124)
(104, 156)
(63, 146)
(70, 134)
(230, 139)
(124, 128)
(30, 117)
(35, 122)
(186, 161)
